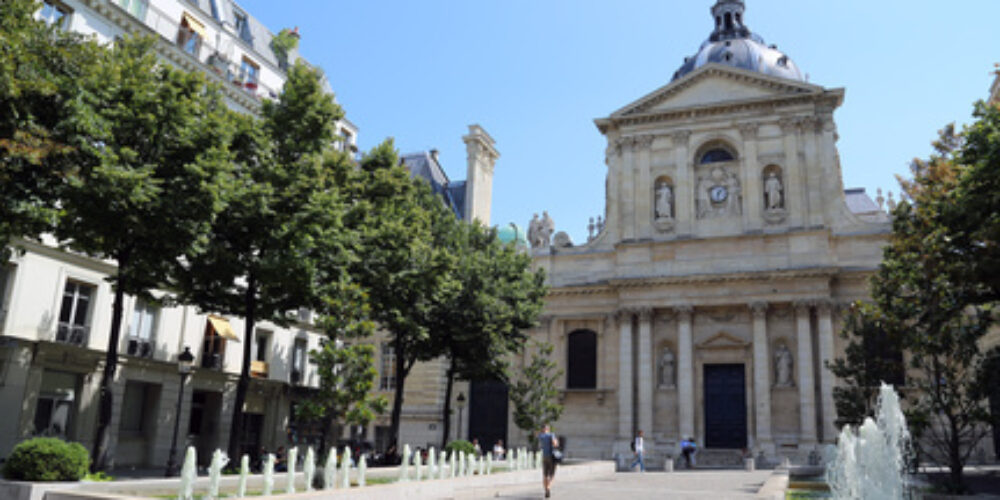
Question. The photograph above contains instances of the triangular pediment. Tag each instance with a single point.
(723, 340)
(714, 84)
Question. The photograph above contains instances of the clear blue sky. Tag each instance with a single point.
(535, 73)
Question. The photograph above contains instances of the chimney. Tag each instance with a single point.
(481, 158)
(434, 155)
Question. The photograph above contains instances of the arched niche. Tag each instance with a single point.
(664, 202)
(717, 188)
(775, 194)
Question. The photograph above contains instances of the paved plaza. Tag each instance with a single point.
(704, 484)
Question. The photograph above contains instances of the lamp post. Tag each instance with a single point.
(460, 403)
(185, 361)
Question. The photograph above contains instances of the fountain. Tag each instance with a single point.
(330, 470)
(482, 465)
(219, 460)
(309, 468)
(345, 468)
(870, 462)
(444, 461)
(431, 465)
(452, 469)
(404, 466)
(362, 470)
(489, 463)
(189, 472)
(268, 474)
(241, 490)
(293, 458)
(418, 466)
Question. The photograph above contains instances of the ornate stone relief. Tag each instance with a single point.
(783, 367)
(718, 193)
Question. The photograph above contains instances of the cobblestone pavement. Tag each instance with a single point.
(686, 485)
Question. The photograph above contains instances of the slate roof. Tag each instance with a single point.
(858, 202)
(424, 165)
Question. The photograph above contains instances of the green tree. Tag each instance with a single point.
(41, 68)
(151, 146)
(535, 394)
(400, 264)
(482, 324)
(922, 304)
(264, 252)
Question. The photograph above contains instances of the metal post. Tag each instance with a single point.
(172, 460)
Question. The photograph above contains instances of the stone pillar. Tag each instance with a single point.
(824, 313)
(613, 187)
(795, 185)
(761, 378)
(753, 190)
(625, 374)
(643, 187)
(644, 350)
(807, 398)
(685, 371)
(684, 184)
(626, 202)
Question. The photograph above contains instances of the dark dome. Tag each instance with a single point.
(733, 44)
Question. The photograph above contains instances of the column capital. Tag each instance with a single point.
(644, 141)
(758, 308)
(545, 321)
(749, 130)
(624, 314)
(645, 313)
(789, 124)
(824, 306)
(802, 306)
(681, 137)
(684, 312)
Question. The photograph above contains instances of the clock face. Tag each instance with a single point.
(719, 193)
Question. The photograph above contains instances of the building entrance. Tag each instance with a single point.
(487, 412)
(725, 406)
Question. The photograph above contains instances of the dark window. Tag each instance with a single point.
(716, 155)
(242, 26)
(299, 361)
(387, 371)
(189, 35)
(581, 370)
(215, 10)
(55, 13)
(74, 315)
(729, 21)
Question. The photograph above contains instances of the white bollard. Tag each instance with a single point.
(750, 464)
(668, 464)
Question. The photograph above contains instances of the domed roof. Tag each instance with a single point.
(511, 233)
(733, 44)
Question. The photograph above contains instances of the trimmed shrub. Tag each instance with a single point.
(47, 459)
(460, 445)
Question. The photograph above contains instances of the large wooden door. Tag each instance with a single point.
(725, 406)
(487, 413)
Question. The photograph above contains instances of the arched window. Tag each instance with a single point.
(581, 365)
(716, 155)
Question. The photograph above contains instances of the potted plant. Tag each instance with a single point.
(283, 44)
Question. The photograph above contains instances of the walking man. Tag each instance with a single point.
(637, 448)
(549, 443)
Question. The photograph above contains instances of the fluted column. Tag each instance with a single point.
(685, 371)
(761, 377)
(807, 398)
(625, 374)
(644, 350)
(824, 312)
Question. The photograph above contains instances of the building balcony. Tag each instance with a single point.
(72, 334)
(138, 347)
(258, 369)
(211, 361)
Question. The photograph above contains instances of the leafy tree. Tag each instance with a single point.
(535, 393)
(263, 254)
(41, 68)
(399, 262)
(151, 146)
(921, 303)
(480, 326)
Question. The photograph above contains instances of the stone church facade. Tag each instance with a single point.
(710, 299)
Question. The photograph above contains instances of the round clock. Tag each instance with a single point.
(719, 194)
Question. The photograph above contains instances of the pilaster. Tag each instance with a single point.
(795, 184)
(643, 195)
(806, 381)
(627, 203)
(685, 371)
(753, 198)
(684, 192)
(761, 378)
(613, 189)
(644, 350)
(824, 313)
(624, 374)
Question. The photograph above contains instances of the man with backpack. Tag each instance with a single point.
(637, 448)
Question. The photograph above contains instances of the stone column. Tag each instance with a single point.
(761, 377)
(644, 350)
(807, 398)
(684, 184)
(753, 191)
(685, 371)
(824, 311)
(625, 374)
(612, 195)
(795, 182)
(643, 187)
(627, 201)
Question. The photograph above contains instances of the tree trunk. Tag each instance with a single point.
(397, 400)
(955, 459)
(100, 452)
(244, 383)
(447, 404)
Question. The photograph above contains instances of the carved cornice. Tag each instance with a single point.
(789, 124)
(722, 278)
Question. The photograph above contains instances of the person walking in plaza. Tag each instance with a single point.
(637, 448)
(549, 444)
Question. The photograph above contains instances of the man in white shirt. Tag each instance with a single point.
(637, 448)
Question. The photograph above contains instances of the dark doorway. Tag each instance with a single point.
(995, 411)
(725, 407)
(253, 426)
(488, 412)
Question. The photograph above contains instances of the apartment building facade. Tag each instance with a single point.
(55, 306)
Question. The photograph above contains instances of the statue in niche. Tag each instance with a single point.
(783, 367)
(664, 201)
(733, 203)
(667, 368)
(774, 192)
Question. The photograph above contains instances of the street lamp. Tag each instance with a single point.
(460, 403)
(185, 361)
